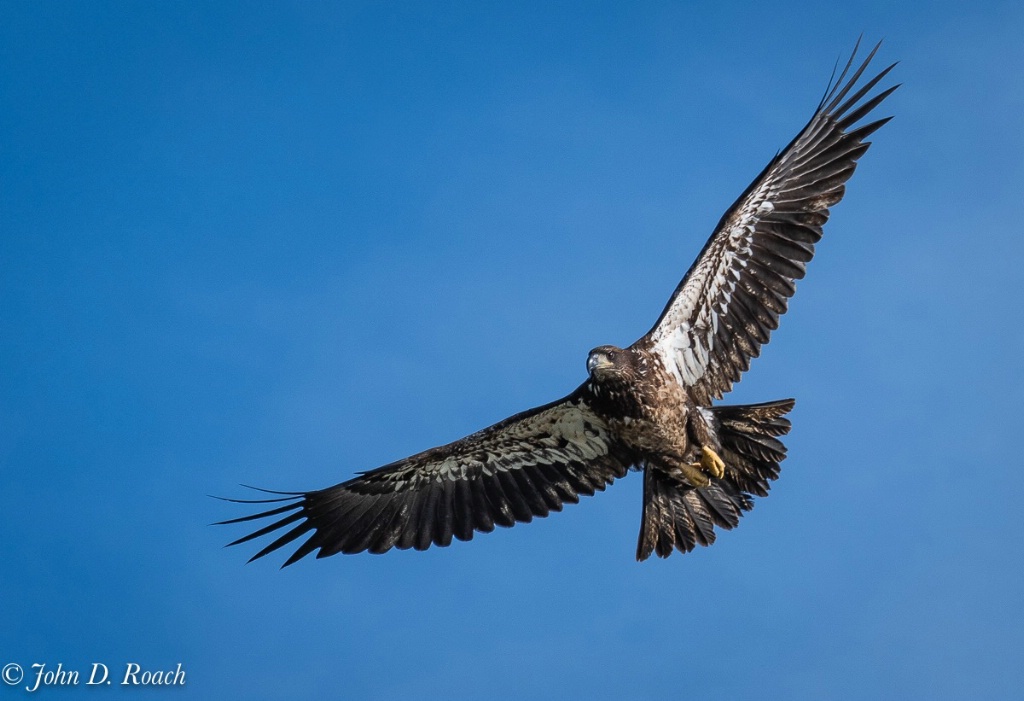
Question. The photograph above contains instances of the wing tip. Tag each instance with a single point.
(837, 89)
(293, 509)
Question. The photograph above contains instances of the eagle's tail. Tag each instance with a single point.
(679, 516)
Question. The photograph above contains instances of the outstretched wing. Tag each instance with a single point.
(525, 466)
(730, 300)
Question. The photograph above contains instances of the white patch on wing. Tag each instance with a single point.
(687, 350)
(707, 295)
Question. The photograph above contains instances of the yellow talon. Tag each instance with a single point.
(693, 474)
(699, 474)
(711, 463)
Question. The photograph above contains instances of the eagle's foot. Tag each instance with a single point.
(711, 463)
(694, 474)
(700, 474)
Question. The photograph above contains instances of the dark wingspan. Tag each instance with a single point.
(527, 465)
(730, 300)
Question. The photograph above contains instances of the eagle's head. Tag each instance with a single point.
(611, 364)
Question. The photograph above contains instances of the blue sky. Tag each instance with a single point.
(280, 243)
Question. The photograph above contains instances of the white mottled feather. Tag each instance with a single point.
(685, 339)
(730, 300)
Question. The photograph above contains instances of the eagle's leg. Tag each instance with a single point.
(702, 434)
(711, 463)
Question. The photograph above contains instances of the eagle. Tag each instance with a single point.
(648, 407)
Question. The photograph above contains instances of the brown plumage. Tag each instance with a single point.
(646, 407)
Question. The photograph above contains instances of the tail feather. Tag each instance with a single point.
(678, 516)
(750, 446)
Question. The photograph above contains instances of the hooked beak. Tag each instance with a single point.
(598, 361)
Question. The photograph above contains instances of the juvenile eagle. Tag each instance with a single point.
(648, 406)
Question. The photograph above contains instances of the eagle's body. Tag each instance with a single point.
(648, 412)
(648, 406)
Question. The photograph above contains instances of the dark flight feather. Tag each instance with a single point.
(493, 477)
